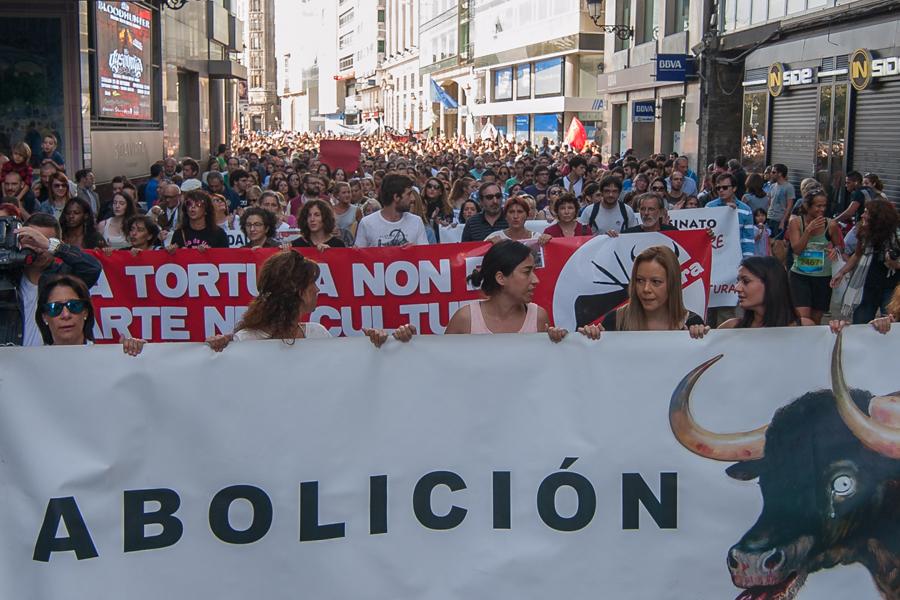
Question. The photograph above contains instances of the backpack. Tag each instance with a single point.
(595, 210)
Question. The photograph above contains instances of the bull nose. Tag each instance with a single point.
(766, 562)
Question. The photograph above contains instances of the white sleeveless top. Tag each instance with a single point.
(311, 331)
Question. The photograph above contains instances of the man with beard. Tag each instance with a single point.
(393, 225)
(675, 196)
(688, 186)
(216, 184)
(490, 219)
(652, 211)
(15, 187)
(311, 186)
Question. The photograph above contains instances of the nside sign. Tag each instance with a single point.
(779, 78)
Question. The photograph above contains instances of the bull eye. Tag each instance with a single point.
(843, 485)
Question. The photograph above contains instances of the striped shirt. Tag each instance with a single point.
(746, 227)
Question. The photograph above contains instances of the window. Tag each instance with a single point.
(381, 15)
(381, 46)
(254, 42)
(623, 17)
(523, 81)
(345, 40)
(548, 77)
(753, 131)
(679, 11)
(647, 30)
(502, 84)
(345, 18)
(832, 128)
(547, 126)
(523, 127)
(346, 63)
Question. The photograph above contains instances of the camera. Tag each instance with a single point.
(11, 255)
(894, 253)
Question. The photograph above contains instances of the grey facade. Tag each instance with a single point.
(263, 107)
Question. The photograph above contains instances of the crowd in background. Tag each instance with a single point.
(274, 189)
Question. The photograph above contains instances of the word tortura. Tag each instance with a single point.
(635, 492)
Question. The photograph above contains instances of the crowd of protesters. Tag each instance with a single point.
(275, 190)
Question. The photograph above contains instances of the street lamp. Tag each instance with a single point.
(595, 11)
(174, 4)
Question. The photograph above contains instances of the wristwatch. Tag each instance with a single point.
(53, 245)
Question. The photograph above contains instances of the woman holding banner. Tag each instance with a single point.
(317, 226)
(516, 212)
(655, 301)
(199, 230)
(506, 276)
(258, 225)
(567, 224)
(288, 289)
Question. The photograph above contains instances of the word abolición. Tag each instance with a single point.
(635, 492)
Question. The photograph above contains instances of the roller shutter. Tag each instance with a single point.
(793, 140)
(876, 135)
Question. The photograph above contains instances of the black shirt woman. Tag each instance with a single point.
(199, 229)
(317, 227)
(655, 300)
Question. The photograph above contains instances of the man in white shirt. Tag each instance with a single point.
(393, 225)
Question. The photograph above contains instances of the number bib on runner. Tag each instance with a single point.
(812, 259)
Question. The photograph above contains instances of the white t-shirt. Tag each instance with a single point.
(502, 236)
(607, 218)
(311, 331)
(32, 335)
(376, 231)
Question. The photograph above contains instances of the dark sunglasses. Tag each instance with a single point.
(54, 309)
(719, 188)
(492, 196)
(657, 188)
(432, 186)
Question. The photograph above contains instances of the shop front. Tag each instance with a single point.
(825, 105)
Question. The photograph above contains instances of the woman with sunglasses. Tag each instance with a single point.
(437, 208)
(199, 229)
(57, 197)
(546, 206)
(65, 315)
(659, 188)
(113, 228)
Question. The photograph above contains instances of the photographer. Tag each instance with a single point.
(41, 235)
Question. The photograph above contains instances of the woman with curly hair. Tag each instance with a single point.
(78, 226)
(288, 289)
(875, 264)
(199, 229)
(258, 224)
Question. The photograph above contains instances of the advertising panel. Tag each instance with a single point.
(124, 45)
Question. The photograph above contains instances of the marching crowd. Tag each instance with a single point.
(797, 244)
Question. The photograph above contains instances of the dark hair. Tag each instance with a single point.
(810, 197)
(881, 224)
(754, 185)
(777, 300)
(44, 220)
(81, 174)
(577, 161)
(462, 207)
(566, 197)
(327, 217)
(282, 278)
(855, 176)
(721, 161)
(488, 173)
(149, 224)
(484, 186)
(780, 169)
(611, 180)
(156, 169)
(130, 206)
(206, 199)
(503, 257)
(723, 176)
(190, 162)
(47, 286)
(268, 219)
(237, 175)
(392, 185)
(540, 169)
(89, 236)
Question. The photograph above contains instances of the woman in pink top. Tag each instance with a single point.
(507, 278)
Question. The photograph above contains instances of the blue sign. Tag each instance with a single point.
(674, 67)
(643, 111)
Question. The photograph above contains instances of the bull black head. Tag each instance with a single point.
(829, 474)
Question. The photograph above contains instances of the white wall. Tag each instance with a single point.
(522, 23)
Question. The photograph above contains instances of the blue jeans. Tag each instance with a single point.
(872, 300)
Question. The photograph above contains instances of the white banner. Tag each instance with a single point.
(448, 468)
(726, 248)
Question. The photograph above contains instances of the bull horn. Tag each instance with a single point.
(730, 447)
(875, 433)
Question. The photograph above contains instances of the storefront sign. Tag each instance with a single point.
(779, 78)
(644, 111)
(864, 68)
(124, 54)
(673, 67)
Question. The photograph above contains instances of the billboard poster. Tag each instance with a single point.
(124, 55)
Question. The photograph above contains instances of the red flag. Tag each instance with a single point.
(576, 137)
(340, 154)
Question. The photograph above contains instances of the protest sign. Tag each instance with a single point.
(330, 469)
(340, 154)
(726, 246)
(190, 295)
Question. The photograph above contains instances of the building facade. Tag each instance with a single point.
(262, 112)
(645, 111)
(403, 96)
(121, 85)
(819, 88)
(298, 68)
(536, 64)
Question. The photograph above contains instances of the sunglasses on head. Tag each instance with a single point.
(492, 196)
(54, 309)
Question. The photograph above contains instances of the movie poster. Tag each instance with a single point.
(124, 55)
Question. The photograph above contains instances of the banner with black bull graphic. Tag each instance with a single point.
(759, 465)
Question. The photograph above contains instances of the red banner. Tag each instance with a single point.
(340, 154)
(190, 295)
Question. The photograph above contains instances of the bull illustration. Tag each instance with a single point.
(829, 472)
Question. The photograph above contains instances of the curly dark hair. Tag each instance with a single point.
(327, 217)
(268, 219)
(281, 281)
(881, 224)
